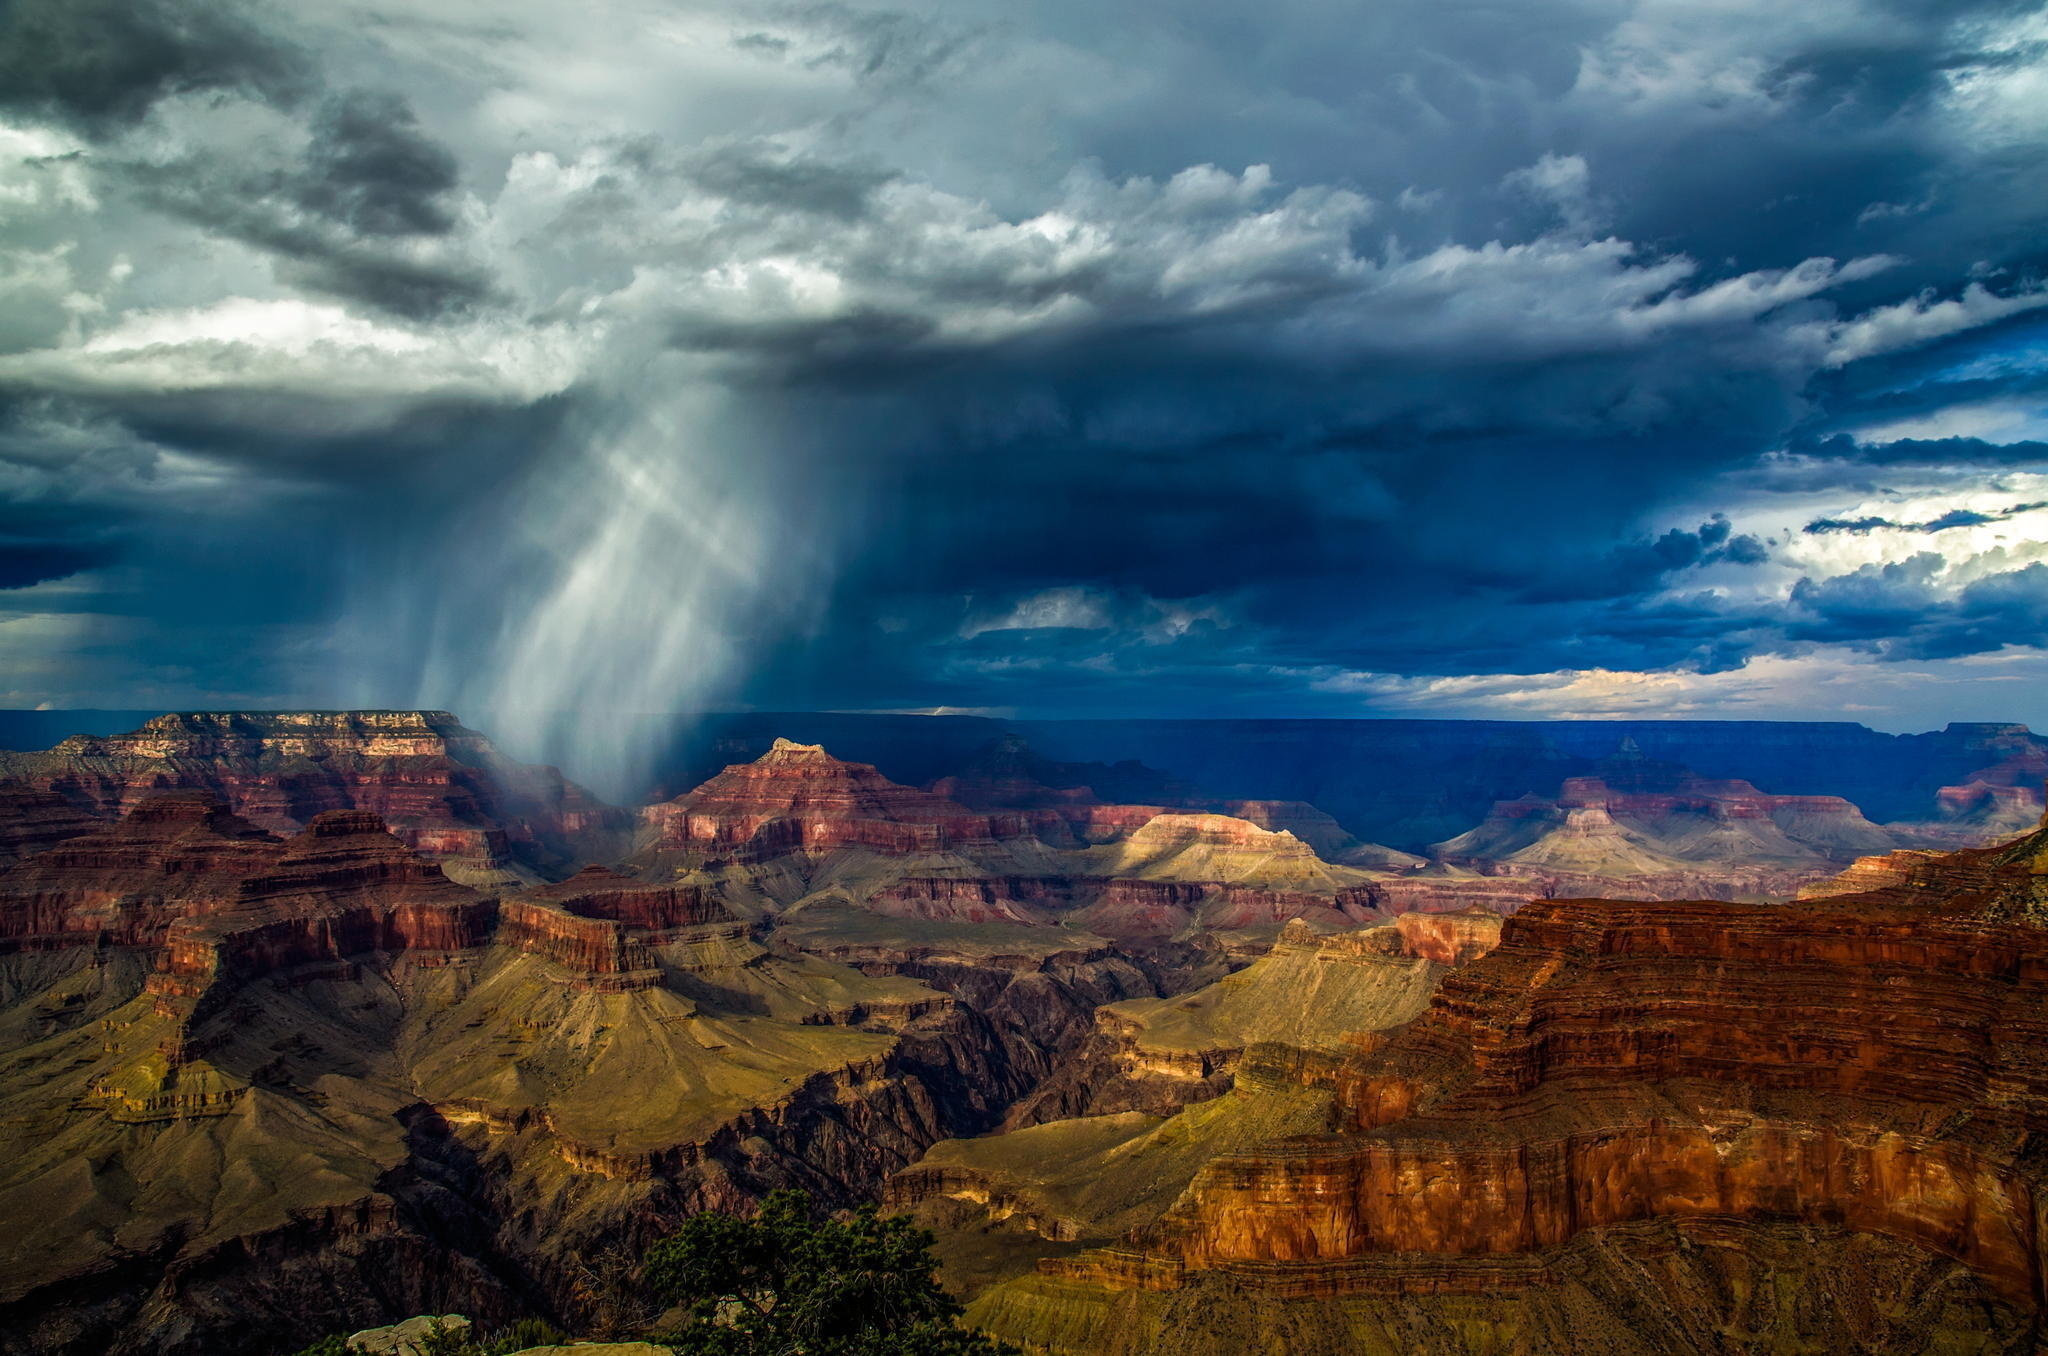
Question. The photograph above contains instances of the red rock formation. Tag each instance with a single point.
(1449, 938)
(32, 820)
(1871, 1062)
(1143, 908)
(342, 888)
(600, 892)
(176, 854)
(603, 926)
(1013, 899)
(441, 786)
(591, 947)
(798, 798)
(1450, 892)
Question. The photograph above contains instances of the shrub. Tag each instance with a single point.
(783, 1281)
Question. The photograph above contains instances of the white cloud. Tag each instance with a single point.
(312, 348)
(1921, 320)
(1823, 684)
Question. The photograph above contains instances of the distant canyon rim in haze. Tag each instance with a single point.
(908, 679)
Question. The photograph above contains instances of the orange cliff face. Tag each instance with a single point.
(798, 798)
(603, 927)
(1875, 1063)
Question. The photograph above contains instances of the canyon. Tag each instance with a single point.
(317, 1020)
(1681, 1125)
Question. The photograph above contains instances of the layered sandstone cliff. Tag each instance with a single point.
(33, 820)
(798, 798)
(1695, 1078)
(438, 784)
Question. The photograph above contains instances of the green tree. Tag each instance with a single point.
(786, 1284)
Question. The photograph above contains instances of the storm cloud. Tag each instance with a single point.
(529, 357)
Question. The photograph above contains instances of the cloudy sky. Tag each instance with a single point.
(1418, 357)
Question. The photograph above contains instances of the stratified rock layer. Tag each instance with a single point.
(1867, 1066)
(439, 785)
(797, 797)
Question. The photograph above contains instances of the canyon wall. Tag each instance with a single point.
(1866, 1065)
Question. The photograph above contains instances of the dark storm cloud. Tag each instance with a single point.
(371, 169)
(1159, 354)
(765, 176)
(1897, 610)
(100, 64)
(1843, 455)
(1953, 518)
(23, 563)
(1642, 565)
(357, 213)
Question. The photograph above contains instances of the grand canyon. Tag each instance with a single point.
(1023, 678)
(315, 1021)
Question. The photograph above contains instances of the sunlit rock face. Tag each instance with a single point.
(798, 798)
(438, 784)
(1687, 1080)
(1072, 804)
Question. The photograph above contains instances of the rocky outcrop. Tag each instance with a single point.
(796, 798)
(408, 1338)
(176, 854)
(1182, 872)
(1865, 1065)
(341, 889)
(1991, 805)
(606, 928)
(439, 785)
(1073, 804)
(1028, 900)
